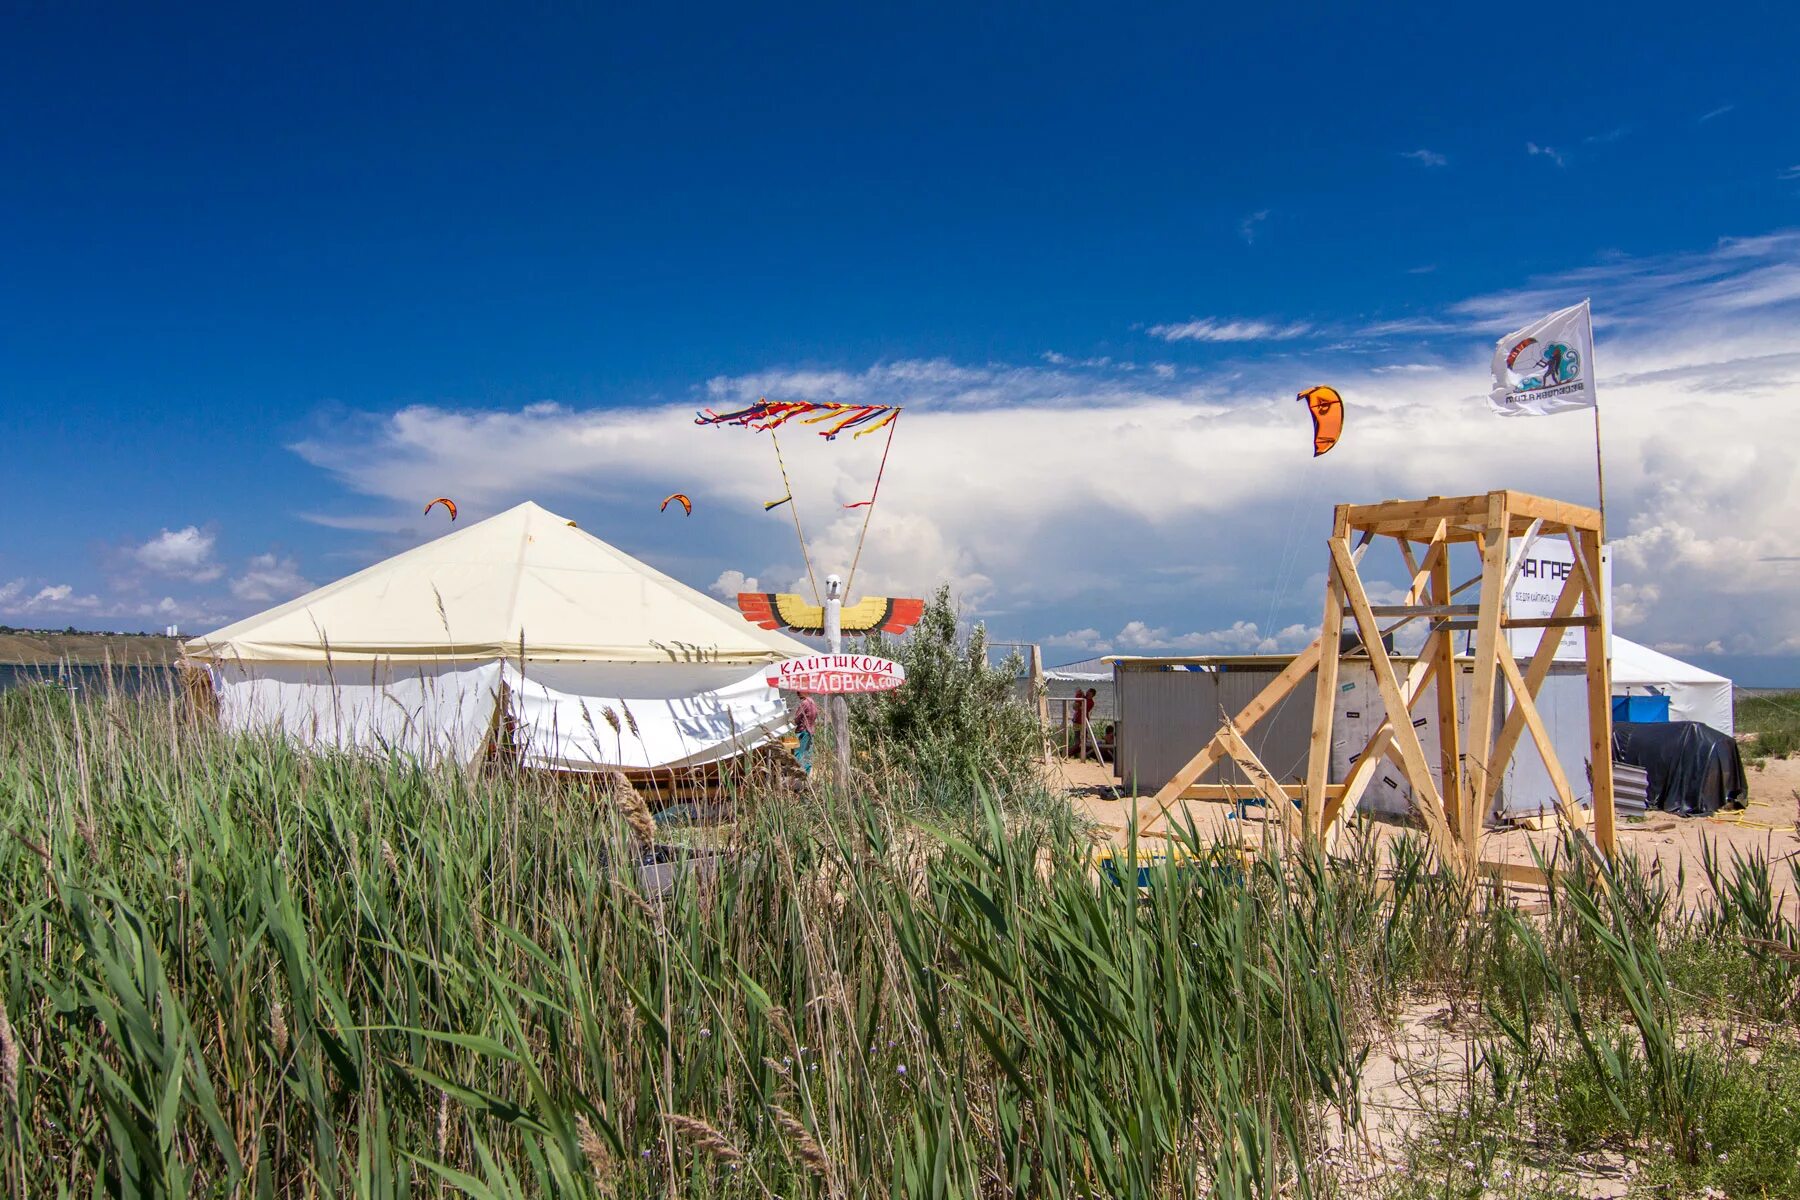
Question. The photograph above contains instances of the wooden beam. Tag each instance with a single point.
(1318, 751)
(1529, 874)
(1424, 610)
(1449, 732)
(1549, 623)
(1478, 765)
(1526, 703)
(1261, 778)
(1277, 690)
(1412, 754)
(1362, 773)
(1599, 697)
(1535, 674)
(1234, 791)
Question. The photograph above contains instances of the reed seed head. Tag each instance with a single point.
(806, 1147)
(598, 1154)
(633, 809)
(703, 1137)
(9, 1060)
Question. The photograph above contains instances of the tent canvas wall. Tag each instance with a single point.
(594, 658)
(1695, 694)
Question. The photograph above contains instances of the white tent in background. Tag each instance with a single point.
(595, 659)
(1694, 694)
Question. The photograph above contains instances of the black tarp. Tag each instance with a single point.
(1694, 769)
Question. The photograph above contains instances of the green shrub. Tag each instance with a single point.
(958, 720)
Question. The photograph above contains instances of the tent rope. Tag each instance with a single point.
(788, 489)
(873, 497)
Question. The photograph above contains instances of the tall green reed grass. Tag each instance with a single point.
(233, 967)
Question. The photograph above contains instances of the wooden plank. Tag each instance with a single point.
(1362, 773)
(1261, 778)
(1235, 791)
(1412, 754)
(1535, 674)
(1529, 874)
(1524, 552)
(1318, 752)
(1437, 553)
(1549, 623)
(1276, 691)
(1599, 696)
(1422, 512)
(1449, 732)
(1523, 506)
(1477, 763)
(1526, 702)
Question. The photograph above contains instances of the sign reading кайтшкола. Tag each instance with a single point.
(836, 674)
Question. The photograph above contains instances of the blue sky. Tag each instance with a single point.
(271, 285)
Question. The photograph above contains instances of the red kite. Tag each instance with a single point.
(687, 506)
(447, 502)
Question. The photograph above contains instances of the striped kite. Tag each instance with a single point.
(773, 414)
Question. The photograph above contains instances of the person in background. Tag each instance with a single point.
(806, 717)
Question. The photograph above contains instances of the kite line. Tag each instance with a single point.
(793, 508)
(869, 505)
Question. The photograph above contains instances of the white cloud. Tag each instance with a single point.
(730, 583)
(1792, 172)
(1549, 152)
(1251, 226)
(185, 552)
(1066, 501)
(269, 577)
(1218, 329)
(17, 598)
(1717, 112)
(1426, 158)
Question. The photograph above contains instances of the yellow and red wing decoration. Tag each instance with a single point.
(785, 610)
(1327, 408)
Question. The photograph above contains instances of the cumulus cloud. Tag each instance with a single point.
(185, 552)
(1216, 329)
(1185, 511)
(270, 577)
(1549, 152)
(730, 583)
(21, 599)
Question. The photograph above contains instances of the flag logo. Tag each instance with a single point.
(1543, 367)
(1557, 364)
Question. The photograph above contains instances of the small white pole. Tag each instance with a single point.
(837, 705)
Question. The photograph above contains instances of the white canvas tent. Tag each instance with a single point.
(520, 618)
(1694, 694)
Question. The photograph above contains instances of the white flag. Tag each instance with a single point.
(1546, 367)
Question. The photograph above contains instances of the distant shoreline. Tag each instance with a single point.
(39, 649)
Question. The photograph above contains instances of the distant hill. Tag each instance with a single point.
(37, 647)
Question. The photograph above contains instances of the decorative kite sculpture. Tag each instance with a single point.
(773, 414)
(687, 506)
(785, 610)
(447, 502)
(1327, 408)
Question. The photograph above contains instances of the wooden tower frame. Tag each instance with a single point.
(1471, 766)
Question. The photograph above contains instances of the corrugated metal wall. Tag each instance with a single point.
(1166, 715)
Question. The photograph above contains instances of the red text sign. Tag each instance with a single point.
(835, 674)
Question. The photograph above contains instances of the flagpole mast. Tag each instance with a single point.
(1599, 460)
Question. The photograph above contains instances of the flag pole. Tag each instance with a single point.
(1599, 460)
